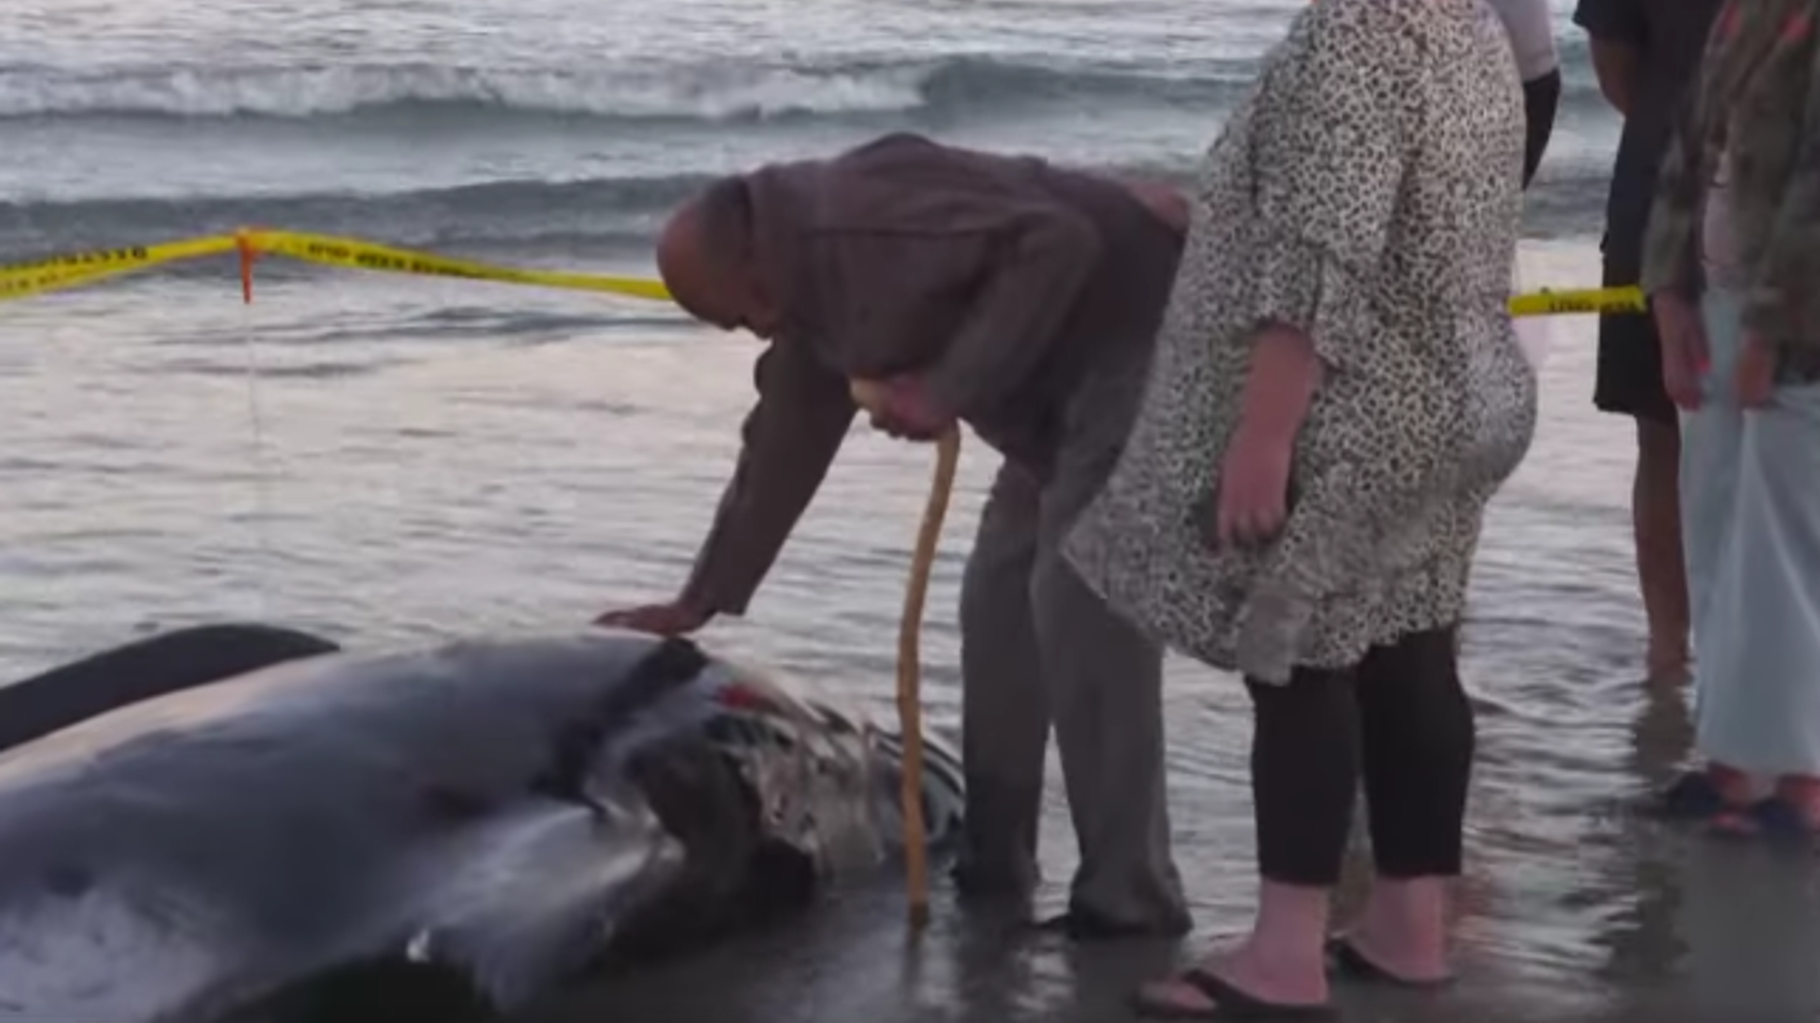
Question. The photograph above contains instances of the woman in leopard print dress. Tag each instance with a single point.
(1336, 394)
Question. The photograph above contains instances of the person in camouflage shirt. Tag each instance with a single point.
(1731, 263)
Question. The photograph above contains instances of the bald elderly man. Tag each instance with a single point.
(1022, 299)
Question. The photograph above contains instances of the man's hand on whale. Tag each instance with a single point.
(676, 618)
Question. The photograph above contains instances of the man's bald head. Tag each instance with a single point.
(705, 255)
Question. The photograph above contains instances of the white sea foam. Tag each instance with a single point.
(300, 92)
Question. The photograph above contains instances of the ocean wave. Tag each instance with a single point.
(523, 220)
(571, 216)
(685, 92)
(831, 86)
(540, 221)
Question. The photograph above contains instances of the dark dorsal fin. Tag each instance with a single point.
(145, 670)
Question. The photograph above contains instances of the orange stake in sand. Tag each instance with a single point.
(249, 254)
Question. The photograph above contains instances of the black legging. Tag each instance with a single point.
(1400, 719)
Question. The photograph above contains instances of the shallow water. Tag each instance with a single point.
(424, 458)
(448, 480)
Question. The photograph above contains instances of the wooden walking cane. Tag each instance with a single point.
(869, 395)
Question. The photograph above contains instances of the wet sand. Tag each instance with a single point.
(1574, 908)
(438, 476)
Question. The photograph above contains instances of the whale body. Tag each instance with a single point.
(506, 812)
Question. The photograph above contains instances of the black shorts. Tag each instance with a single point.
(1629, 377)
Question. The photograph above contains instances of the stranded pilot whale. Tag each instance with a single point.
(505, 811)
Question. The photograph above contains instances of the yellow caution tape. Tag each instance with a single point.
(362, 255)
(21, 285)
(22, 279)
(1584, 300)
(59, 272)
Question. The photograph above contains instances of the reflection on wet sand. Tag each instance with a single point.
(1688, 928)
(1755, 951)
(1644, 950)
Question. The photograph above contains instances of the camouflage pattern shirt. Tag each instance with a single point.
(1755, 113)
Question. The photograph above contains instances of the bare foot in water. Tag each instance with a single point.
(1402, 934)
(1801, 792)
(1791, 814)
(1279, 970)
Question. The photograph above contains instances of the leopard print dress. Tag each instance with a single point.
(1367, 191)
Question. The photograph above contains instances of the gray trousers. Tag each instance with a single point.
(1040, 649)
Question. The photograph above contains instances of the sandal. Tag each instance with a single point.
(1776, 820)
(1228, 1002)
(1692, 796)
(1345, 959)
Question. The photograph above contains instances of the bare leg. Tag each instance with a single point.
(1661, 570)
